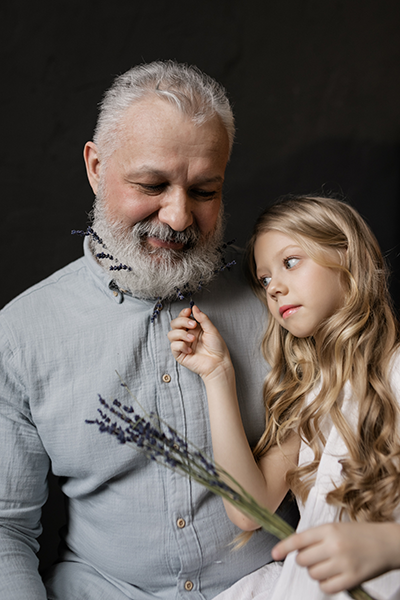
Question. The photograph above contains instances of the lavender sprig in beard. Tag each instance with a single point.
(158, 272)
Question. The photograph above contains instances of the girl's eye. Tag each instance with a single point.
(265, 281)
(291, 262)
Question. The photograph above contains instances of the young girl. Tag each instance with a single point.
(332, 402)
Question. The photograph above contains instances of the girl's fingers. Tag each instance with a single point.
(180, 348)
(201, 317)
(183, 323)
(176, 335)
(324, 570)
(283, 548)
(336, 584)
(313, 555)
(297, 541)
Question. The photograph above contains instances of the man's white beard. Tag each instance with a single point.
(156, 272)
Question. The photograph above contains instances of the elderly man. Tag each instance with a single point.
(135, 530)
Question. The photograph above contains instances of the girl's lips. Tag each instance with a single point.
(153, 241)
(288, 310)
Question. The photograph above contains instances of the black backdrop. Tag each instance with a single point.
(314, 84)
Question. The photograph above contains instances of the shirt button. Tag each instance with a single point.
(188, 586)
(181, 523)
(166, 378)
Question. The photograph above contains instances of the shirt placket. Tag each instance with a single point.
(174, 407)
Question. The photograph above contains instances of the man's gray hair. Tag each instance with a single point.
(194, 93)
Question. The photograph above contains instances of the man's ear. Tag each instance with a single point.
(92, 162)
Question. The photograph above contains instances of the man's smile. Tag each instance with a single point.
(158, 243)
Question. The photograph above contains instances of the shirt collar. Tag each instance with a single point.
(103, 279)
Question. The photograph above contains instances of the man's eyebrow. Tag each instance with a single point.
(144, 170)
(147, 170)
(216, 179)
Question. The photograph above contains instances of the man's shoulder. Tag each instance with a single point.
(233, 250)
(61, 279)
(232, 276)
(230, 294)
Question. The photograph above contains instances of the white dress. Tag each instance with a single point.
(288, 581)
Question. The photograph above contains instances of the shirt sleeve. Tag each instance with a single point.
(23, 485)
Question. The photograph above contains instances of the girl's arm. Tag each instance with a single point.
(198, 346)
(343, 555)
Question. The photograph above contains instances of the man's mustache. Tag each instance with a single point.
(189, 237)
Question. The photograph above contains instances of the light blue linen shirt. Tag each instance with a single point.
(135, 529)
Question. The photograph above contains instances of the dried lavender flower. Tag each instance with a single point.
(173, 451)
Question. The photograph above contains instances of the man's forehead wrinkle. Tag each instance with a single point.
(147, 113)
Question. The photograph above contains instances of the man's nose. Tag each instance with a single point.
(176, 210)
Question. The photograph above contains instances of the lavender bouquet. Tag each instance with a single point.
(160, 443)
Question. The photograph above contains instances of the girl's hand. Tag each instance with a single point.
(198, 345)
(343, 555)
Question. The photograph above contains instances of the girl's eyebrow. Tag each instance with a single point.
(285, 250)
(278, 255)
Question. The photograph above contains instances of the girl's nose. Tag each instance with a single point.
(277, 287)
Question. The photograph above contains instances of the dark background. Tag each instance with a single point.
(314, 85)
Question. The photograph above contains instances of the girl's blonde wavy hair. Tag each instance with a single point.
(356, 344)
